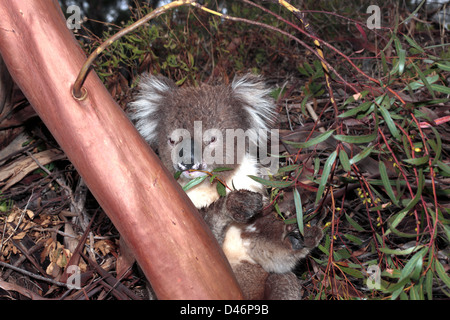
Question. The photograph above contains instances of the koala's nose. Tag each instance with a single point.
(189, 159)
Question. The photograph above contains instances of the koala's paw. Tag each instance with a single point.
(311, 238)
(242, 205)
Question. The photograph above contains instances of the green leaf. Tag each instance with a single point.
(441, 273)
(417, 161)
(386, 182)
(177, 174)
(419, 84)
(221, 190)
(341, 254)
(353, 223)
(299, 211)
(309, 68)
(414, 293)
(401, 55)
(343, 157)
(351, 99)
(412, 14)
(353, 239)
(413, 263)
(416, 274)
(436, 146)
(221, 169)
(272, 184)
(424, 80)
(323, 249)
(356, 139)
(387, 118)
(363, 154)
(445, 67)
(440, 88)
(288, 168)
(352, 272)
(384, 62)
(400, 252)
(212, 178)
(361, 108)
(429, 284)
(446, 231)
(444, 167)
(311, 142)
(397, 288)
(325, 175)
(194, 182)
(413, 43)
(397, 218)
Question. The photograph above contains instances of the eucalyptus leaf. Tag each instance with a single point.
(361, 108)
(343, 158)
(221, 169)
(417, 161)
(356, 139)
(311, 142)
(387, 118)
(299, 211)
(194, 182)
(441, 273)
(221, 190)
(353, 223)
(386, 182)
(412, 263)
(325, 175)
(270, 183)
(441, 88)
(443, 66)
(363, 154)
(400, 252)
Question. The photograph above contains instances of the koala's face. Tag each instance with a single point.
(195, 130)
(204, 129)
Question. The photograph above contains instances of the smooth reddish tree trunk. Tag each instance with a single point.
(171, 242)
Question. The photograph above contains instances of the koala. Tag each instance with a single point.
(197, 131)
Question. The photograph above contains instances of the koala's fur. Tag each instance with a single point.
(261, 249)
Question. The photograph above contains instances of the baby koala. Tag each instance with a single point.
(200, 131)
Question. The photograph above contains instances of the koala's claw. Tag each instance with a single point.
(244, 205)
(295, 239)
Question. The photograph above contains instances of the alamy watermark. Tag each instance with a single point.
(74, 280)
(374, 20)
(213, 147)
(374, 277)
(74, 20)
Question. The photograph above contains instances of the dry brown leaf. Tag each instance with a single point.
(20, 235)
(104, 246)
(13, 287)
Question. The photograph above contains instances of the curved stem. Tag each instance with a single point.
(77, 90)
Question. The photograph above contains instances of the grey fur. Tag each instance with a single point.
(268, 246)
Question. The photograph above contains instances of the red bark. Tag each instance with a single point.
(171, 242)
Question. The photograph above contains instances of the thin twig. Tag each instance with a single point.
(32, 275)
(77, 90)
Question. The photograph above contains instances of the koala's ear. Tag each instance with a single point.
(252, 92)
(145, 110)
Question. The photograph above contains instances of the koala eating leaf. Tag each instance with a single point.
(198, 130)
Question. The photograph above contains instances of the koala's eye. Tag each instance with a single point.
(173, 142)
(210, 139)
